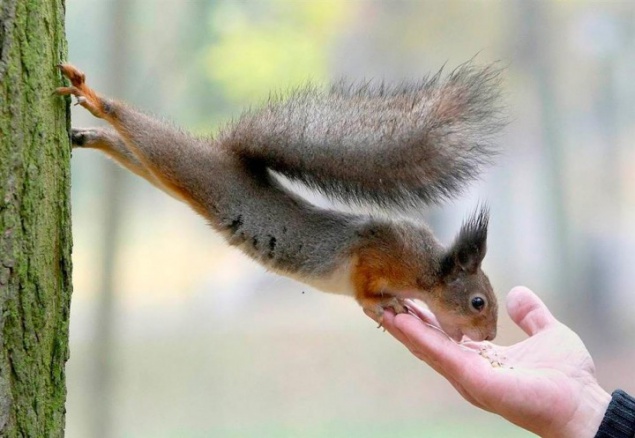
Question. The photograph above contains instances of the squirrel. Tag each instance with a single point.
(391, 146)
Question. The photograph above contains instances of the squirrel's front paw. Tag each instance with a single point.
(86, 97)
(379, 305)
(76, 76)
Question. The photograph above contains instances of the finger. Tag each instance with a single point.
(422, 313)
(436, 363)
(466, 395)
(387, 322)
(444, 355)
(528, 311)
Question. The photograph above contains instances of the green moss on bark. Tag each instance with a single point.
(35, 239)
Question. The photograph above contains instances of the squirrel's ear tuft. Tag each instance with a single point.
(468, 250)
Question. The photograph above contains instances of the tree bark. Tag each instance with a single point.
(35, 228)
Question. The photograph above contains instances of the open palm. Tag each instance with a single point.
(545, 384)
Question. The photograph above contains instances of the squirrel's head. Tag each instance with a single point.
(466, 304)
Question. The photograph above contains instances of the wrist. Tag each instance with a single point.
(589, 415)
(619, 420)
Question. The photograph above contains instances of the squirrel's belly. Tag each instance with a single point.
(338, 281)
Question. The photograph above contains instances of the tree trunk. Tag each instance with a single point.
(35, 230)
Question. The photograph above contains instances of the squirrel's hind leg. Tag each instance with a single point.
(112, 144)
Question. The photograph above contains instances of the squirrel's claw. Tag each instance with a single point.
(75, 75)
(65, 91)
(72, 91)
(86, 97)
(378, 307)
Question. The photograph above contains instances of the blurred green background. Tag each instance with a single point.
(174, 334)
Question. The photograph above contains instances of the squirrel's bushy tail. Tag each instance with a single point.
(392, 146)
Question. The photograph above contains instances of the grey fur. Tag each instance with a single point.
(241, 199)
(279, 229)
(392, 146)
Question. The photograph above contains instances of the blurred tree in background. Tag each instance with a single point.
(272, 44)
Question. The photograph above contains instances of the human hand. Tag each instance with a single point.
(545, 384)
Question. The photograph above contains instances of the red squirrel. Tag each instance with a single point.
(390, 146)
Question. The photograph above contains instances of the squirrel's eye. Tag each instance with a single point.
(478, 303)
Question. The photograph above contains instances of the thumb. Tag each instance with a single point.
(528, 311)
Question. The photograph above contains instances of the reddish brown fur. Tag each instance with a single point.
(379, 276)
